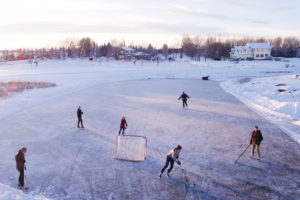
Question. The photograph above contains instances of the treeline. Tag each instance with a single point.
(88, 48)
(194, 47)
(217, 47)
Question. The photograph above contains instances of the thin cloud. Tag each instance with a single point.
(184, 10)
(196, 12)
(138, 27)
(263, 22)
(43, 27)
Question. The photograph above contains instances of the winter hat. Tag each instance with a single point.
(23, 149)
(179, 147)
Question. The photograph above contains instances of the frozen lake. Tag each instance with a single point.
(66, 163)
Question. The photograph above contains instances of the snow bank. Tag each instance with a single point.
(7, 89)
(8, 193)
(276, 98)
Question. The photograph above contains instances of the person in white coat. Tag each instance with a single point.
(171, 158)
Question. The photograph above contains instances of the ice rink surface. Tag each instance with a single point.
(64, 162)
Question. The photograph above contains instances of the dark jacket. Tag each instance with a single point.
(79, 113)
(256, 137)
(20, 161)
(183, 97)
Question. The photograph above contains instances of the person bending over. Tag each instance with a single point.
(171, 158)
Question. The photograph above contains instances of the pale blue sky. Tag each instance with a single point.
(38, 23)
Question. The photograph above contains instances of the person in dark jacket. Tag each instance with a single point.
(123, 125)
(256, 138)
(184, 98)
(20, 165)
(79, 116)
(171, 158)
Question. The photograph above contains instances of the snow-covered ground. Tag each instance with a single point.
(8, 193)
(264, 96)
(253, 82)
(66, 163)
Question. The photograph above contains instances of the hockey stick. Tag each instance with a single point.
(75, 124)
(25, 181)
(242, 153)
(186, 177)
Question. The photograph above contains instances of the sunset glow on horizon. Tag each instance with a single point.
(34, 24)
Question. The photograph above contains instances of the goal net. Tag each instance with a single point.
(131, 147)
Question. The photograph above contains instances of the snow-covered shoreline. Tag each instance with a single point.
(262, 96)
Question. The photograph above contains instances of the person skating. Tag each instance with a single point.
(123, 125)
(79, 116)
(256, 138)
(171, 158)
(20, 166)
(184, 98)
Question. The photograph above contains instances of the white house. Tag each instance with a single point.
(128, 49)
(126, 52)
(257, 51)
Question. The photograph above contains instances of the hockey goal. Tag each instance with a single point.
(131, 147)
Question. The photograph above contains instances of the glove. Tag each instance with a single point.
(178, 162)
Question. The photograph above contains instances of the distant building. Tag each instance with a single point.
(142, 56)
(257, 51)
(126, 52)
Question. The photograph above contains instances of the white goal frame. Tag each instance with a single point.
(135, 136)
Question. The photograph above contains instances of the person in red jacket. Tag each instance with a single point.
(123, 125)
(20, 165)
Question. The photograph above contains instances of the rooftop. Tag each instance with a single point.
(127, 48)
(259, 45)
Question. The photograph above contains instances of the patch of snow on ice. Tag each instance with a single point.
(8, 193)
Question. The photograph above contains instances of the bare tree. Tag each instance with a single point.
(165, 51)
(276, 42)
(188, 46)
(86, 46)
